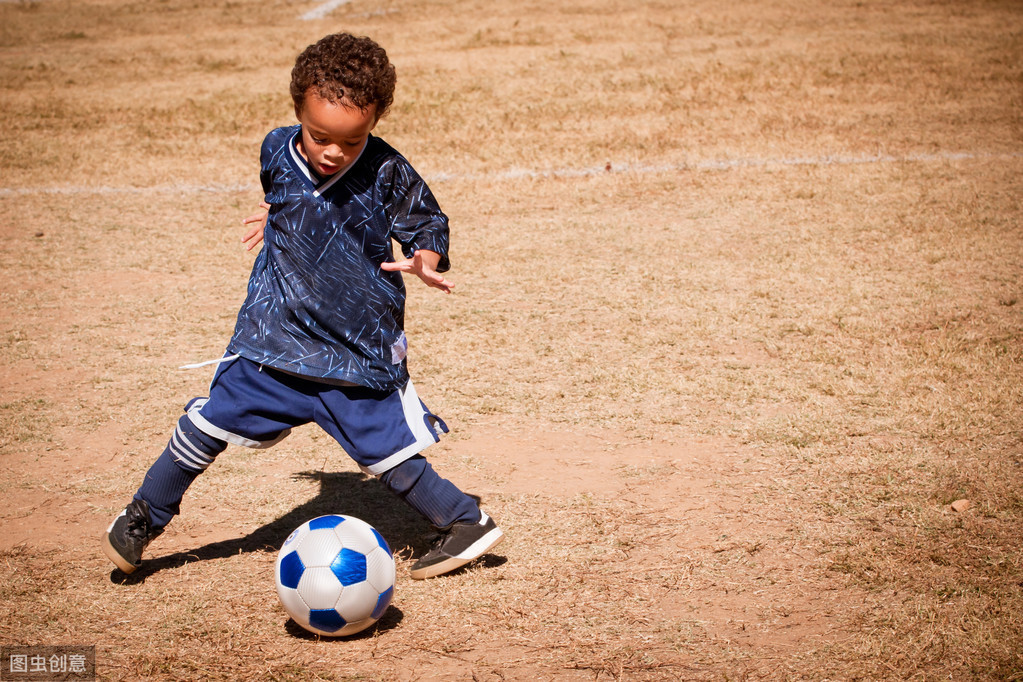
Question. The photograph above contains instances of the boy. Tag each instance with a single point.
(320, 336)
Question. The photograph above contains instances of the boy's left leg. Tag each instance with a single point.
(465, 532)
(385, 433)
(437, 499)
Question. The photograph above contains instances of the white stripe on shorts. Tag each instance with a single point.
(415, 418)
(209, 429)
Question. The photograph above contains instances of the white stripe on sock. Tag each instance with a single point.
(187, 454)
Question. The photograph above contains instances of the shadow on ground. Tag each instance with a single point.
(349, 493)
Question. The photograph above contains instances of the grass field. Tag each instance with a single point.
(738, 317)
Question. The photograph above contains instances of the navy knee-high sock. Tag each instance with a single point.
(436, 498)
(188, 453)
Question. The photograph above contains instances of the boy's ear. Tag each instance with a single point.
(298, 110)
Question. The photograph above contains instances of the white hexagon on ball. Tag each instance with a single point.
(380, 571)
(318, 547)
(356, 534)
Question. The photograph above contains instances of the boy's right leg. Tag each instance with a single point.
(188, 453)
(246, 406)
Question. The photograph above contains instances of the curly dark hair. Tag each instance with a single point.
(343, 66)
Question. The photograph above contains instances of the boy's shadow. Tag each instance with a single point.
(349, 493)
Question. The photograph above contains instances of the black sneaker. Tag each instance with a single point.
(457, 546)
(129, 535)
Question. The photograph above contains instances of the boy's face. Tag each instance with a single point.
(333, 135)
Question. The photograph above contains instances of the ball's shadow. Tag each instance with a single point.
(349, 493)
(391, 618)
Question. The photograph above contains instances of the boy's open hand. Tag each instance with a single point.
(424, 264)
(254, 236)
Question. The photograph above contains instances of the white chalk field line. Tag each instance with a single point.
(525, 173)
(322, 10)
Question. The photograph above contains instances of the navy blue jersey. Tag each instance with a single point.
(318, 303)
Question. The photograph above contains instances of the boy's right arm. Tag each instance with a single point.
(270, 148)
(254, 236)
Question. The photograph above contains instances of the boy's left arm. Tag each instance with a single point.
(419, 225)
(424, 265)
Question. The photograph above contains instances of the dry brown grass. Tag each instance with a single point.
(720, 397)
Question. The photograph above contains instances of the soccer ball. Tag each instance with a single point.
(335, 575)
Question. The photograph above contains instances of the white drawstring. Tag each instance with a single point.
(197, 365)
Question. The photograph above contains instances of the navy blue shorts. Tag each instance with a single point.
(256, 406)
